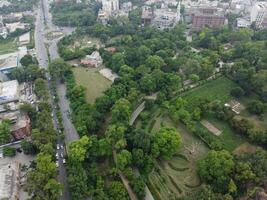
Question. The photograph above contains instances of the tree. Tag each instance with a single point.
(124, 158)
(121, 111)
(28, 60)
(5, 132)
(9, 151)
(237, 92)
(117, 191)
(41, 89)
(58, 68)
(41, 182)
(166, 142)
(117, 60)
(77, 149)
(216, 169)
(52, 189)
(256, 107)
(115, 136)
(28, 147)
(77, 181)
(155, 62)
(138, 186)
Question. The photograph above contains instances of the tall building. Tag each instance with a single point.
(206, 16)
(259, 14)
(110, 6)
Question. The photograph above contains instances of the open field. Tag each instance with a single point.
(8, 46)
(86, 41)
(218, 89)
(94, 82)
(177, 176)
(229, 138)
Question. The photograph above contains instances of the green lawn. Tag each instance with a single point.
(94, 82)
(229, 138)
(218, 89)
(8, 46)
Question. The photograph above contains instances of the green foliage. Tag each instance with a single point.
(256, 107)
(216, 169)
(237, 92)
(138, 186)
(115, 136)
(5, 132)
(117, 191)
(28, 60)
(69, 13)
(124, 159)
(9, 152)
(166, 142)
(40, 89)
(28, 147)
(77, 149)
(121, 111)
(41, 182)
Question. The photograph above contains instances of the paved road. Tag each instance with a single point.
(42, 26)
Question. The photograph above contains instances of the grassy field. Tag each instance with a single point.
(230, 139)
(218, 89)
(86, 41)
(8, 46)
(175, 177)
(94, 82)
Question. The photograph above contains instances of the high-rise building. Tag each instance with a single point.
(206, 16)
(110, 6)
(259, 14)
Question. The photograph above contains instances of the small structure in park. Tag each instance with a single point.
(93, 60)
(211, 127)
(235, 106)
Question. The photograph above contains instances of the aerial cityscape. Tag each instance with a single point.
(133, 99)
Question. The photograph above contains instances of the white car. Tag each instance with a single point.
(57, 164)
(61, 146)
(64, 161)
(61, 155)
(57, 155)
(57, 146)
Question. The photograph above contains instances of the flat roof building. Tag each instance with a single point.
(20, 124)
(9, 91)
(9, 181)
(259, 14)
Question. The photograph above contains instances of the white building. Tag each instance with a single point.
(9, 181)
(165, 17)
(259, 14)
(242, 23)
(9, 91)
(110, 6)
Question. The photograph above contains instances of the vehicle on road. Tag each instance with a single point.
(57, 164)
(61, 155)
(61, 146)
(57, 146)
(64, 161)
(57, 155)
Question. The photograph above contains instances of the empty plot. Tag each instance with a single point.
(211, 127)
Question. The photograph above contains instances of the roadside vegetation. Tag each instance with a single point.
(183, 143)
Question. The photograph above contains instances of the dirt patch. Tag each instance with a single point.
(245, 148)
(211, 127)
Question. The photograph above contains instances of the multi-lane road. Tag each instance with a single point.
(43, 26)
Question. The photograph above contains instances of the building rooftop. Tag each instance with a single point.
(9, 181)
(9, 90)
